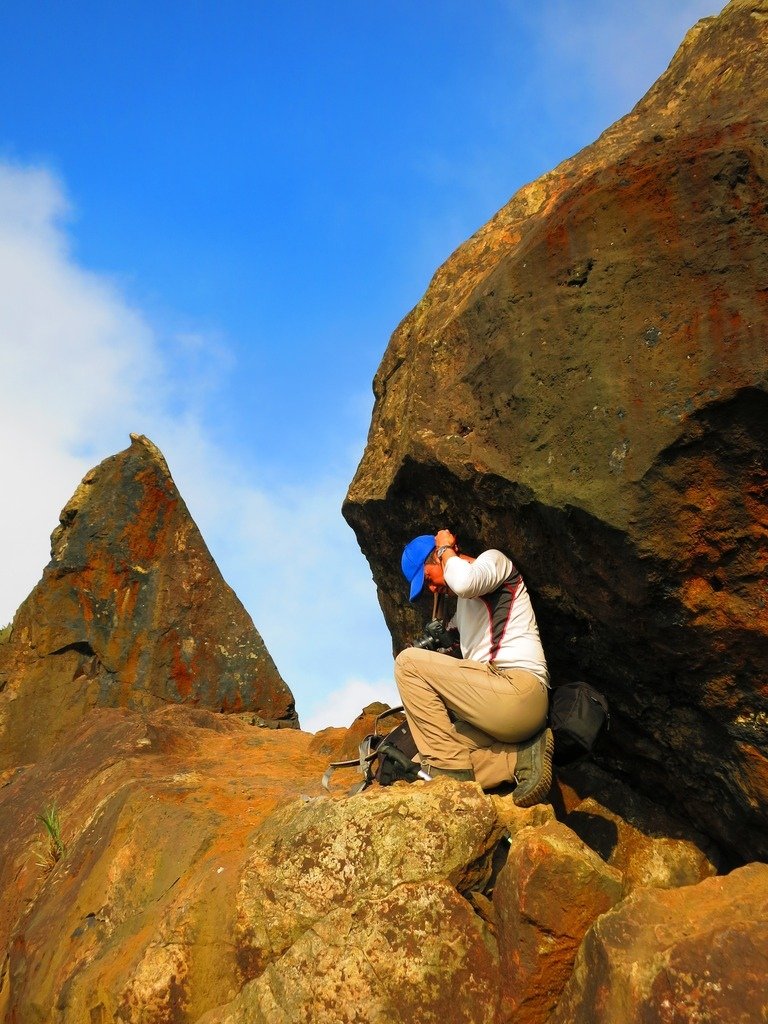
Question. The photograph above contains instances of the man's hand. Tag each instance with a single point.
(445, 539)
(445, 542)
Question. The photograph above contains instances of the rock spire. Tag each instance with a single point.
(131, 611)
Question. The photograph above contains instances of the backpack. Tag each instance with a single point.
(383, 758)
(578, 715)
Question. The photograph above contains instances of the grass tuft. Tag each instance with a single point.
(5, 633)
(54, 849)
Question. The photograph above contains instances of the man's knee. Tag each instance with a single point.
(413, 662)
(404, 663)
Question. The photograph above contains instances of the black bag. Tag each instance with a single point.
(578, 715)
(384, 758)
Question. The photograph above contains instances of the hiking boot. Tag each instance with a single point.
(457, 774)
(533, 772)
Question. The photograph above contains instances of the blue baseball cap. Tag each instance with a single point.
(412, 562)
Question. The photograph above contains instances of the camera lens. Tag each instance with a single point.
(425, 643)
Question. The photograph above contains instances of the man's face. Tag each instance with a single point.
(433, 574)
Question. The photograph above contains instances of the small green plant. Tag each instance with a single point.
(54, 848)
(5, 633)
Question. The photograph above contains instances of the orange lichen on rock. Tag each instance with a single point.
(156, 813)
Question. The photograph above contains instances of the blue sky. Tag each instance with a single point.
(212, 217)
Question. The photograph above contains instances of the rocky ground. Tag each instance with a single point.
(208, 877)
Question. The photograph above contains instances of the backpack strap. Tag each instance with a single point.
(385, 714)
(367, 752)
(500, 603)
(326, 779)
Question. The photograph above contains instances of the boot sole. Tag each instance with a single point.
(541, 789)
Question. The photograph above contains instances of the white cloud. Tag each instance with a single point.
(295, 564)
(81, 369)
(76, 363)
(32, 205)
(342, 706)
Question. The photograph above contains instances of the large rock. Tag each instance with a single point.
(548, 894)
(131, 611)
(368, 910)
(308, 861)
(418, 955)
(645, 843)
(136, 922)
(677, 956)
(205, 870)
(584, 385)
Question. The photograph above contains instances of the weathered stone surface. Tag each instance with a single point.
(676, 956)
(308, 860)
(418, 955)
(208, 878)
(205, 870)
(546, 897)
(584, 385)
(131, 612)
(353, 910)
(645, 843)
(136, 923)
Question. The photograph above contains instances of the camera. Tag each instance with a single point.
(436, 637)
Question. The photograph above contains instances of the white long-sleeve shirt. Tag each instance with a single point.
(494, 615)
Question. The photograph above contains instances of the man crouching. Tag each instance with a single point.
(483, 716)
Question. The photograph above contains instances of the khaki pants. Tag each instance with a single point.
(494, 710)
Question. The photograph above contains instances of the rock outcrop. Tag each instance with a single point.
(131, 611)
(584, 385)
(686, 955)
(206, 878)
(547, 896)
(135, 923)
